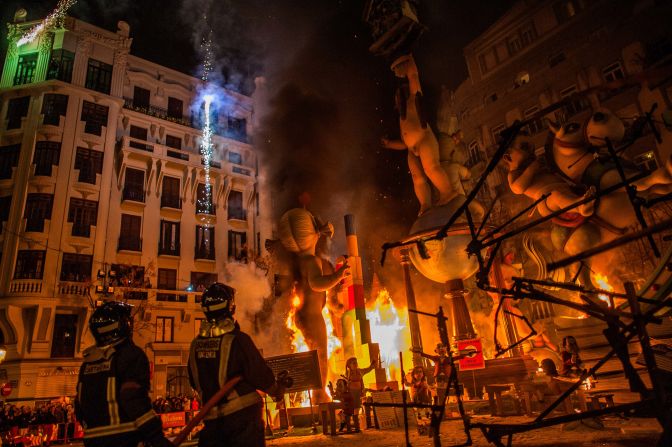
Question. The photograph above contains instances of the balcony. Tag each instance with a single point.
(168, 201)
(204, 253)
(129, 243)
(133, 194)
(139, 144)
(242, 171)
(237, 214)
(157, 112)
(35, 225)
(72, 289)
(135, 295)
(81, 230)
(173, 297)
(26, 287)
(170, 250)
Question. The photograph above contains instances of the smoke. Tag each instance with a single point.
(252, 288)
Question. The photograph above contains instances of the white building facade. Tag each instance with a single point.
(102, 195)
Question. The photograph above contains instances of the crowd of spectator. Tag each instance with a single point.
(23, 417)
(175, 403)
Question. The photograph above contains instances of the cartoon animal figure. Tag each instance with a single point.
(299, 233)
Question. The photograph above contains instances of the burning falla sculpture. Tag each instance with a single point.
(299, 233)
(578, 153)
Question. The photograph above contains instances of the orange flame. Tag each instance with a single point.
(603, 282)
(389, 328)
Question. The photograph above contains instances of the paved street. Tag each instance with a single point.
(617, 432)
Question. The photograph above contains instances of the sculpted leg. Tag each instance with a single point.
(422, 189)
(428, 150)
(314, 331)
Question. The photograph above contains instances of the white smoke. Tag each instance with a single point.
(252, 287)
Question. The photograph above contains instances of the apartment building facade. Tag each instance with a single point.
(543, 51)
(103, 195)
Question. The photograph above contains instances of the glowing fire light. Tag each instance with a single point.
(298, 342)
(49, 22)
(389, 329)
(603, 283)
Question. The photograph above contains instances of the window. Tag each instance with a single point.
(235, 157)
(128, 276)
(170, 193)
(64, 337)
(54, 106)
(169, 238)
(612, 72)
(238, 246)
(174, 142)
(475, 155)
(204, 200)
(205, 243)
(9, 159)
(164, 329)
(38, 208)
(235, 205)
(99, 76)
(556, 58)
(236, 129)
(47, 154)
(496, 132)
(575, 104)
(25, 69)
(29, 264)
(60, 65)
(17, 108)
(140, 98)
(167, 280)
(514, 45)
(139, 133)
(129, 235)
(5, 205)
(76, 267)
(536, 125)
(202, 280)
(134, 185)
(83, 214)
(175, 108)
(90, 163)
(94, 116)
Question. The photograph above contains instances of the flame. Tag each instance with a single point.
(389, 328)
(603, 282)
(298, 342)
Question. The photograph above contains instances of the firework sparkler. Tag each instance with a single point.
(49, 22)
(206, 144)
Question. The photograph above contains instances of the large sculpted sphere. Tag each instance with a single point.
(448, 257)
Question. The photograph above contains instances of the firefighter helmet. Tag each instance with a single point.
(218, 302)
(111, 323)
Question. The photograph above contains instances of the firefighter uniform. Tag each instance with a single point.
(112, 401)
(219, 353)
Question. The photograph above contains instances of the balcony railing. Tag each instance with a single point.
(138, 144)
(26, 286)
(75, 289)
(237, 213)
(157, 112)
(134, 194)
(204, 253)
(170, 250)
(168, 201)
(129, 243)
(81, 230)
(174, 297)
(135, 295)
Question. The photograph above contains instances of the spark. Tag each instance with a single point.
(49, 22)
(206, 144)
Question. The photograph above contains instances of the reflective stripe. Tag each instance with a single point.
(194, 369)
(233, 405)
(114, 429)
(217, 306)
(112, 405)
(108, 328)
(225, 351)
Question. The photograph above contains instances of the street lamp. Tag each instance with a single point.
(3, 353)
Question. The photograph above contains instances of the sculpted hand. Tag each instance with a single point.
(343, 270)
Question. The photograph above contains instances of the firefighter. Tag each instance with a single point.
(219, 353)
(112, 401)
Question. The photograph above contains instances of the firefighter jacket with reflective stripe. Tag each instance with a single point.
(213, 360)
(101, 377)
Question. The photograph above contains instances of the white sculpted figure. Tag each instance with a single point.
(418, 138)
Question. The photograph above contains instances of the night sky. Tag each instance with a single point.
(330, 100)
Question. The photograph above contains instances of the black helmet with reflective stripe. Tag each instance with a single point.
(111, 323)
(218, 302)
